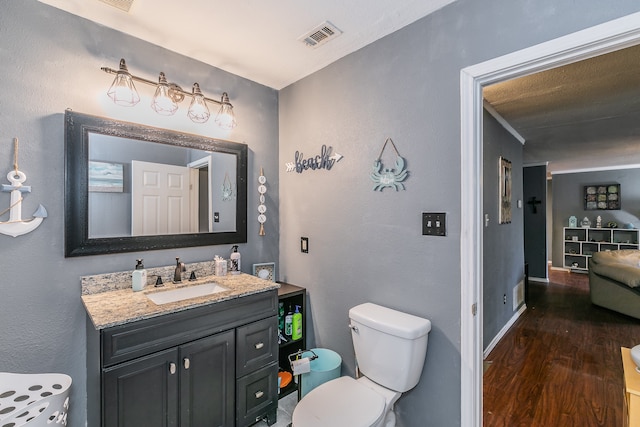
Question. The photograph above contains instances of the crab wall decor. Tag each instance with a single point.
(389, 177)
(228, 192)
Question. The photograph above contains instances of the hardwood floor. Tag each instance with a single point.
(559, 365)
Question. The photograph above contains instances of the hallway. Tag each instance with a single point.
(559, 365)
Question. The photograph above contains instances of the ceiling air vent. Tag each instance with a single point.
(120, 4)
(320, 35)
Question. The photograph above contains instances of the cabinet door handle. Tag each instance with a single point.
(259, 394)
(259, 345)
(187, 363)
(172, 368)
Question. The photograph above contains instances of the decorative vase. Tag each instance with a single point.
(573, 221)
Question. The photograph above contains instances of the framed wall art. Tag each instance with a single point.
(106, 177)
(265, 270)
(504, 211)
(602, 197)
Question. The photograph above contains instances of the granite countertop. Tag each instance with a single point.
(110, 301)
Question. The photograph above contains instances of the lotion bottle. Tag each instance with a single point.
(139, 277)
(235, 260)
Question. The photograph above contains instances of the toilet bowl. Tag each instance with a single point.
(390, 348)
(351, 404)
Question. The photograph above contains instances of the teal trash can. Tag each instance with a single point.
(325, 367)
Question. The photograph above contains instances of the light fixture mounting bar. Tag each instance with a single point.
(173, 86)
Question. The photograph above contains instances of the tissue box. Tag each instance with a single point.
(220, 268)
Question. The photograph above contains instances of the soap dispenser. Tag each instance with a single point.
(235, 260)
(139, 277)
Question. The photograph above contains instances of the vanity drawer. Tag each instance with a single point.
(256, 345)
(136, 339)
(257, 394)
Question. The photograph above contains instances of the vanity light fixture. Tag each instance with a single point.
(198, 110)
(225, 117)
(167, 97)
(163, 103)
(123, 91)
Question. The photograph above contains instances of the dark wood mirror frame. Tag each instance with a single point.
(78, 126)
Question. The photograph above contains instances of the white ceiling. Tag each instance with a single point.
(256, 39)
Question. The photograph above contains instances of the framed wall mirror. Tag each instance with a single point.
(130, 187)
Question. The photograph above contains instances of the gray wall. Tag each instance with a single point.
(51, 61)
(503, 244)
(224, 172)
(365, 245)
(568, 190)
(535, 223)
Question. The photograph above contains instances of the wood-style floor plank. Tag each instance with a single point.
(559, 364)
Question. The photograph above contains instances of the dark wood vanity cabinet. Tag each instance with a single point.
(214, 365)
(175, 384)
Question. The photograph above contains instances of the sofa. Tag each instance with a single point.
(614, 281)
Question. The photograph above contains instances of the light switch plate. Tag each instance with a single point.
(304, 245)
(434, 224)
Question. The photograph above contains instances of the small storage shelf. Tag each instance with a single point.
(292, 295)
(580, 243)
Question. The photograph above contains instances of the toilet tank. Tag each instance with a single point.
(390, 345)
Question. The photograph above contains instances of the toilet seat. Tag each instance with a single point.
(340, 402)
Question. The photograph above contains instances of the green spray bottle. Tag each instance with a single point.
(296, 333)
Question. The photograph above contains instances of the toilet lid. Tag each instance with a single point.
(340, 402)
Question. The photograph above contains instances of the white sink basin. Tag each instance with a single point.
(187, 292)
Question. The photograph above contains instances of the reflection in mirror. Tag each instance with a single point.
(140, 188)
(131, 187)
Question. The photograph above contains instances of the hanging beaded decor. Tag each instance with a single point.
(262, 208)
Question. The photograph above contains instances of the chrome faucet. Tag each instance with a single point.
(180, 267)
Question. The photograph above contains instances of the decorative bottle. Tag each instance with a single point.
(235, 260)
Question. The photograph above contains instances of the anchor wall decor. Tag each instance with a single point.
(16, 226)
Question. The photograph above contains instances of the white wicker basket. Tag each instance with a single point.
(36, 400)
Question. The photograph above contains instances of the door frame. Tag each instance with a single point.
(204, 162)
(594, 41)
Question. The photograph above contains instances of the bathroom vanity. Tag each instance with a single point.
(210, 360)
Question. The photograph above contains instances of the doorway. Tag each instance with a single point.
(598, 40)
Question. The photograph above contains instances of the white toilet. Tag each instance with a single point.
(390, 348)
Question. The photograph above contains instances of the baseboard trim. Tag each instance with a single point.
(539, 279)
(503, 331)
